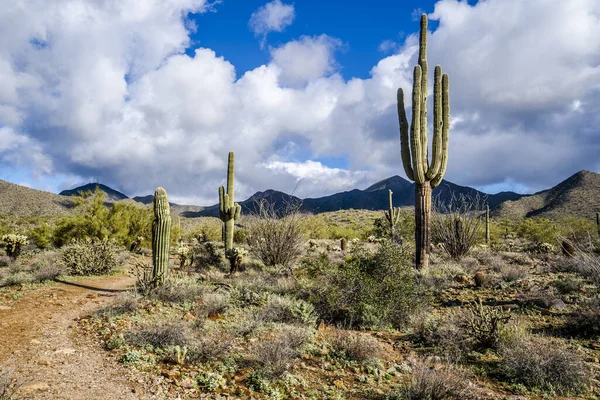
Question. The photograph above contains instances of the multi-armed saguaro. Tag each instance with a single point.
(393, 217)
(228, 210)
(414, 148)
(161, 232)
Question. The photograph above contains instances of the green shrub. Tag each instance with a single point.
(288, 310)
(41, 236)
(90, 257)
(369, 290)
(356, 347)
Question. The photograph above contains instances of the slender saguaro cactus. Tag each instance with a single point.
(393, 216)
(228, 210)
(161, 232)
(487, 224)
(414, 148)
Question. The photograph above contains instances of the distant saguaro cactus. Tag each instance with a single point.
(393, 217)
(229, 211)
(161, 232)
(487, 224)
(414, 148)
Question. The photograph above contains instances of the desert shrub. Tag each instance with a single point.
(207, 229)
(175, 290)
(10, 384)
(356, 346)
(123, 304)
(288, 310)
(368, 290)
(275, 355)
(567, 285)
(206, 255)
(214, 303)
(90, 257)
(46, 267)
(5, 261)
(14, 244)
(511, 273)
(159, 335)
(446, 335)
(587, 265)
(434, 381)
(122, 222)
(210, 347)
(314, 227)
(484, 324)
(41, 236)
(405, 227)
(275, 236)
(537, 230)
(585, 321)
(209, 381)
(17, 278)
(544, 364)
(457, 225)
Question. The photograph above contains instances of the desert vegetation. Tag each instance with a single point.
(442, 302)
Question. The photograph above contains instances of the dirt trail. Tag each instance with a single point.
(38, 338)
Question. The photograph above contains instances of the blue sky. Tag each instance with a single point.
(139, 95)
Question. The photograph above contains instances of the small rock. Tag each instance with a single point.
(36, 386)
(557, 304)
(92, 296)
(44, 362)
(188, 317)
(34, 341)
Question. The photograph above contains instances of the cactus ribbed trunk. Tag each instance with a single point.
(161, 232)
(422, 218)
(487, 224)
(413, 144)
(228, 209)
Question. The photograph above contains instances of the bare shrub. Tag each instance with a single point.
(585, 263)
(159, 335)
(277, 354)
(544, 364)
(275, 236)
(176, 291)
(210, 347)
(9, 384)
(214, 303)
(511, 273)
(123, 304)
(457, 225)
(355, 346)
(435, 381)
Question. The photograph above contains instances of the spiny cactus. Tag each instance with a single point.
(14, 243)
(487, 224)
(228, 210)
(393, 217)
(161, 232)
(414, 148)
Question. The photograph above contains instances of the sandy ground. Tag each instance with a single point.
(38, 341)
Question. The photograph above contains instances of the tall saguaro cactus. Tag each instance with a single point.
(228, 210)
(414, 147)
(161, 232)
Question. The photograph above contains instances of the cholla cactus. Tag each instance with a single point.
(182, 252)
(14, 243)
(235, 257)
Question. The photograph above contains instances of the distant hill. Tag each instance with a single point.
(23, 201)
(375, 197)
(578, 195)
(111, 194)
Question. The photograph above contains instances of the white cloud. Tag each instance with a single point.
(272, 17)
(305, 59)
(525, 100)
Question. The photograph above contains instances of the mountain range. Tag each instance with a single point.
(578, 195)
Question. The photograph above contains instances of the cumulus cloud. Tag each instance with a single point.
(104, 90)
(316, 55)
(274, 16)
